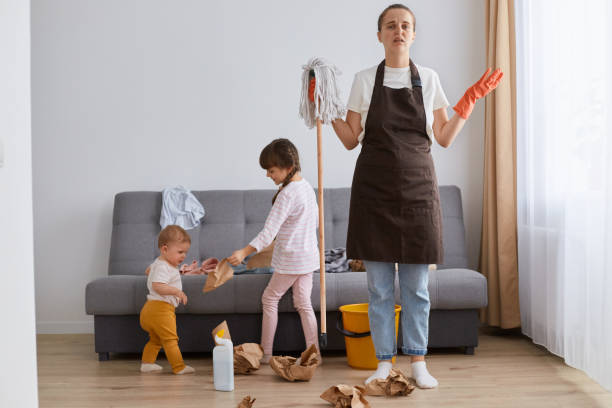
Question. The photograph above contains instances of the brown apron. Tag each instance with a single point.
(395, 204)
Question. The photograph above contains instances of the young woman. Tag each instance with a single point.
(394, 111)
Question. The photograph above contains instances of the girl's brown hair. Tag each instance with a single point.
(396, 6)
(283, 154)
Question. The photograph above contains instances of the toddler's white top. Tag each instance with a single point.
(162, 272)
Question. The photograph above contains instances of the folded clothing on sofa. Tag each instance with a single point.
(242, 269)
(335, 262)
(180, 207)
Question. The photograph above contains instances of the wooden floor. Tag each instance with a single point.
(506, 371)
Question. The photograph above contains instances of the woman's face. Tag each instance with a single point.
(397, 30)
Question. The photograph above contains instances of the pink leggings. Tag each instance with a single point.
(302, 288)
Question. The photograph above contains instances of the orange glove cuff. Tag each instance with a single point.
(465, 105)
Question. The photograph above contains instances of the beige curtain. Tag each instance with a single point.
(498, 248)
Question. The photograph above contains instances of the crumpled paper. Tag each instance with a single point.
(357, 265)
(247, 402)
(247, 358)
(226, 332)
(286, 366)
(346, 396)
(222, 273)
(208, 265)
(396, 384)
(261, 259)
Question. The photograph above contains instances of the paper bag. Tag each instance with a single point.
(226, 333)
(246, 402)
(357, 265)
(345, 396)
(247, 358)
(396, 384)
(222, 273)
(286, 366)
(262, 259)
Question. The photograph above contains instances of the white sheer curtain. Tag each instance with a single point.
(564, 165)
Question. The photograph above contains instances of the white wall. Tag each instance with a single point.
(18, 384)
(143, 94)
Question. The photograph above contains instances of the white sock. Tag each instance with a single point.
(422, 376)
(266, 359)
(382, 372)
(186, 370)
(150, 368)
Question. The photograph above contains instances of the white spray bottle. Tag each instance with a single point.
(223, 363)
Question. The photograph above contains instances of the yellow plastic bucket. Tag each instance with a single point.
(354, 324)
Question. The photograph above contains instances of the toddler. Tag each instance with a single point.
(157, 316)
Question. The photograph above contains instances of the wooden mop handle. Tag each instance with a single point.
(323, 339)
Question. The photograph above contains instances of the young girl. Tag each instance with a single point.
(293, 221)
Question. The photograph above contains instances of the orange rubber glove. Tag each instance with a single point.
(479, 90)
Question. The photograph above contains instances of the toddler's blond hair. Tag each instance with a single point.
(172, 234)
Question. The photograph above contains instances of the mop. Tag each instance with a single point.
(320, 103)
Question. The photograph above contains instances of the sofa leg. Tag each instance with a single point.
(469, 351)
(103, 356)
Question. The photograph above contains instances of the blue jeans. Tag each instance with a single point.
(414, 295)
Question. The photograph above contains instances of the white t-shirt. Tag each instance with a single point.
(363, 85)
(162, 272)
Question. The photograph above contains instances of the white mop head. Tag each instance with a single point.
(327, 105)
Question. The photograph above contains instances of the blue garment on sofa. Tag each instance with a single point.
(241, 269)
(180, 207)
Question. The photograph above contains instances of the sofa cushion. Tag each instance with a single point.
(453, 229)
(125, 295)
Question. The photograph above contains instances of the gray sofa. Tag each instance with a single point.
(232, 219)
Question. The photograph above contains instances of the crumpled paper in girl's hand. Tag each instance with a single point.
(246, 402)
(222, 273)
(262, 259)
(288, 368)
(247, 358)
(396, 384)
(345, 396)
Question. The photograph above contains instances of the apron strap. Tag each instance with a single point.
(414, 76)
(378, 83)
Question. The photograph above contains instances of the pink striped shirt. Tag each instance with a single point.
(293, 220)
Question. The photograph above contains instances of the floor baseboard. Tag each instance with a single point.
(65, 327)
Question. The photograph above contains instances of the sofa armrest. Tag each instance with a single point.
(116, 295)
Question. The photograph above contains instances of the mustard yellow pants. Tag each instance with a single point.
(159, 320)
